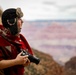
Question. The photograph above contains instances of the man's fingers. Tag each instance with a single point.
(20, 53)
(25, 56)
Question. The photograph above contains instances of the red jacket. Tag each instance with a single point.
(8, 50)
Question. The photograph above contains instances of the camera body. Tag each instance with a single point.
(32, 58)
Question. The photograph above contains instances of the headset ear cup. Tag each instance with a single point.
(11, 22)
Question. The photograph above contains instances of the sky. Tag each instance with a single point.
(43, 9)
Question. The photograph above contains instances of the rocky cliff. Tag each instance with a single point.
(70, 67)
(47, 66)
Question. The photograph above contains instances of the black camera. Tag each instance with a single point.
(32, 58)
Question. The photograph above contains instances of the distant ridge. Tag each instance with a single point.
(52, 20)
(59, 38)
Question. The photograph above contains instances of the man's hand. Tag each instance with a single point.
(21, 60)
(27, 63)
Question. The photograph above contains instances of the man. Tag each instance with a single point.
(12, 43)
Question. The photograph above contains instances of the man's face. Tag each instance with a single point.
(19, 24)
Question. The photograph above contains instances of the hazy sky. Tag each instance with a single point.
(43, 9)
